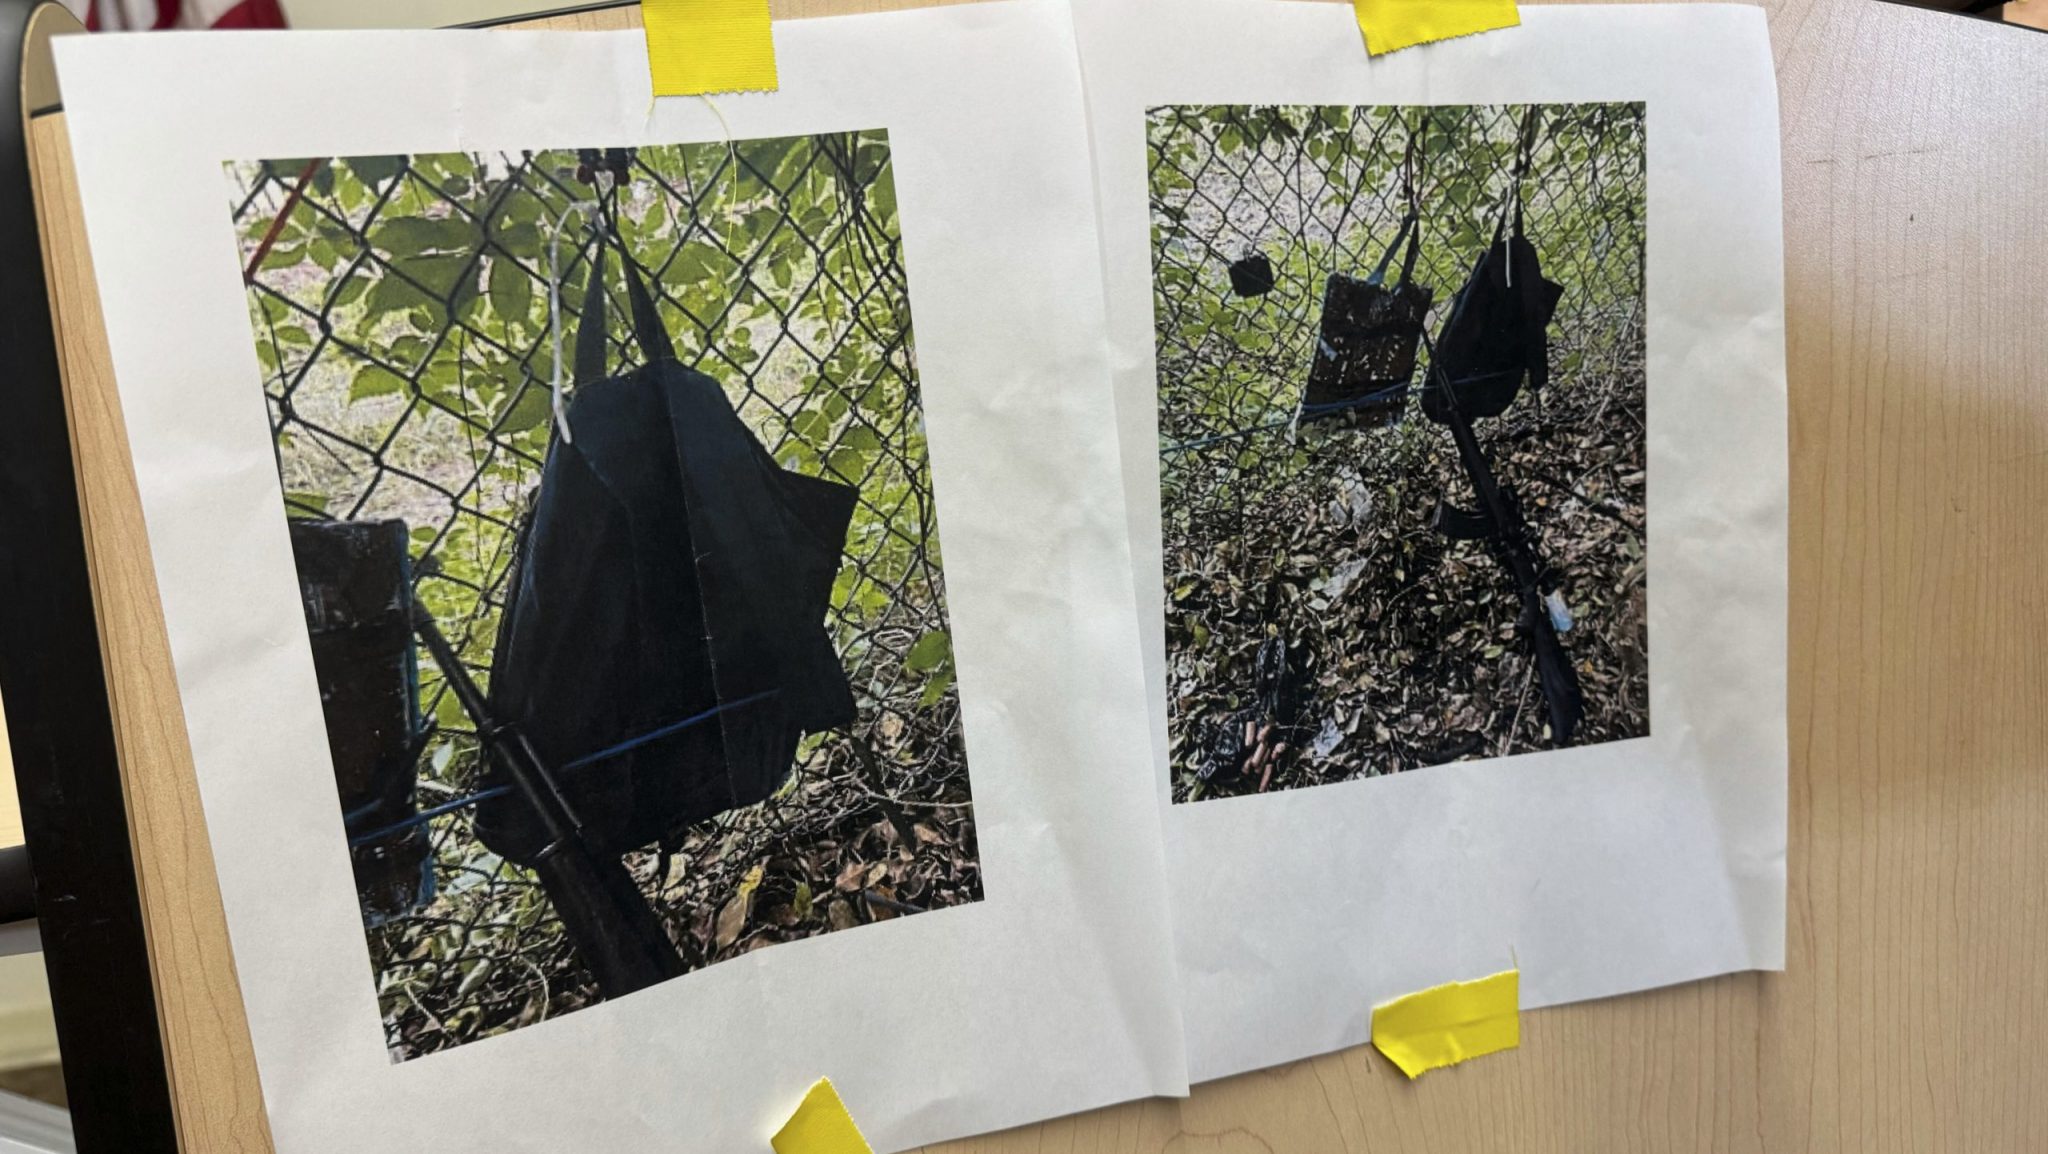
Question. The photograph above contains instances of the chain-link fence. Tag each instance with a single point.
(408, 336)
(1401, 645)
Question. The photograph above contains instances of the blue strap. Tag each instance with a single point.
(427, 815)
(669, 730)
(626, 746)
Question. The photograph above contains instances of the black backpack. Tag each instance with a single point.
(663, 645)
(1496, 334)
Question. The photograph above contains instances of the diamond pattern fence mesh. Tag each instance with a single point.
(404, 323)
(1312, 533)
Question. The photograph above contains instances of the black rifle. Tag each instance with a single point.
(603, 912)
(1499, 522)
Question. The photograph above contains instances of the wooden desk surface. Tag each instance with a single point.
(1910, 1015)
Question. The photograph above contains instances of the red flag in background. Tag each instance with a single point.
(143, 15)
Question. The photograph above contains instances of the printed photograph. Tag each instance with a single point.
(606, 480)
(1401, 436)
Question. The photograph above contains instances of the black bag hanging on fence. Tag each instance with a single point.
(1365, 345)
(1251, 275)
(1497, 331)
(663, 645)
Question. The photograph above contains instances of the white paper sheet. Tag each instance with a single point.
(1600, 869)
(1052, 995)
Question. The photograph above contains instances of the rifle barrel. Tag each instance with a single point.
(1518, 553)
(603, 912)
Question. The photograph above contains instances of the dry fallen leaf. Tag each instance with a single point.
(732, 918)
(839, 915)
(850, 876)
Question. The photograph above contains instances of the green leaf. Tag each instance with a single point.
(929, 652)
(374, 170)
(404, 236)
(936, 687)
(351, 290)
(534, 405)
(523, 239)
(811, 425)
(391, 294)
(848, 463)
(441, 380)
(511, 290)
(374, 381)
(283, 257)
(882, 200)
(694, 262)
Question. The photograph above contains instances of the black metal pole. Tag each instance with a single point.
(606, 916)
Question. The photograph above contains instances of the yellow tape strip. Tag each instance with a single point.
(697, 47)
(1447, 1024)
(1390, 25)
(820, 1125)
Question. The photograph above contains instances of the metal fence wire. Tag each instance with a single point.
(404, 322)
(1316, 533)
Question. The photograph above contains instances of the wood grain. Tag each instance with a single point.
(1912, 1003)
(212, 1068)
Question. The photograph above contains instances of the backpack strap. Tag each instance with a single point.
(1411, 232)
(593, 329)
(647, 331)
(1411, 224)
(1414, 245)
